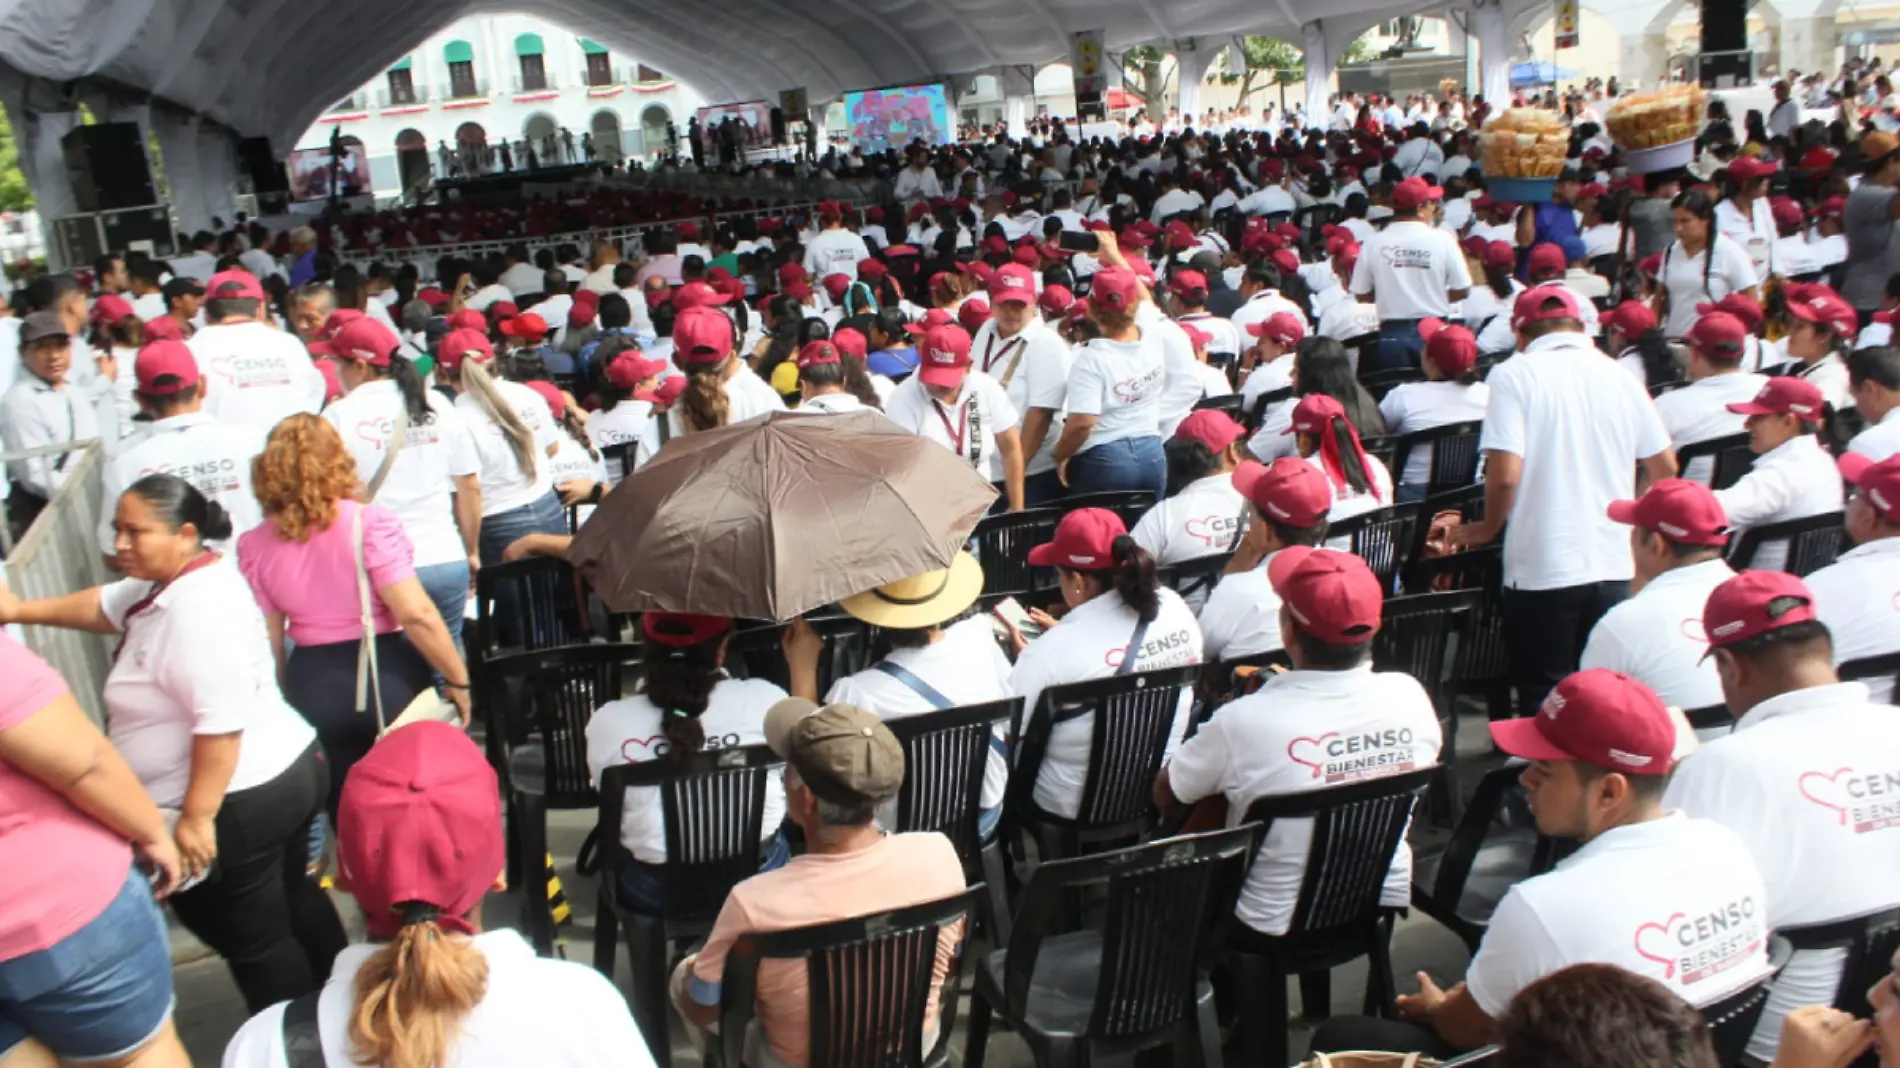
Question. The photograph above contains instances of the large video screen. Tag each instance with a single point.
(751, 119)
(310, 172)
(886, 119)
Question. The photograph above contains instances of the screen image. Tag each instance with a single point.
(310, 172)
(754, 119)
(886, 119)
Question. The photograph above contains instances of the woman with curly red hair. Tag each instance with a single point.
(302, 565)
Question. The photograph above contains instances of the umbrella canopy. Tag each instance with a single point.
(1539, 72)
(773, 517)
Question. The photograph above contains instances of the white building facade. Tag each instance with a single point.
(488, 80)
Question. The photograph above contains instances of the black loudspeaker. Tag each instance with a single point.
(266, 170)
(778, 126)
(1725, 61)
(107, 165)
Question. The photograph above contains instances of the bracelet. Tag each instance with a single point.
(455, 685)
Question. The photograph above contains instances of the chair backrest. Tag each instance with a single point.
(1870, 940)
(1732, 1020)
(1732, 459)
(1454, 452)
(1813, 543)
(1884, 668)
(1365, 350)
(1709, 717)
(1379, 383)
(1420, 633)
(1383, 538)
(869, 979)
(1482, 652)
(1168, 903)
(1232, 403)
(1133, 718)
(945, 756)
(713, 806)
(1002, 547)
(1196, 577)
(755, 650)
(618, 459)
(1356, 829)
(1129, 504)
(543, 607)
(560, 689)
(1264, 401)
(1473, 827)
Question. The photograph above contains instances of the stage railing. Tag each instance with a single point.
(59, 554)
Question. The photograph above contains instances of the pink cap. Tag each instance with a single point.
(234, 285)
(550, 393)
(1453, 348)
(466, 319)
(1879, 482)
(1499, 254)
(1289, 491)
(501, 309)
(1412, 192)
(165, 367)
(1333, 596)
(1785, 395)
(1212, 428)
(1189, 284)
(835, 286)
(1114, 288)
(850, 342)
(1196, 336)
(1013, 282)
(527, 326)
(1084, 541)
(1746, 169)
(701, 337)
(932, 319)
(698, 295)
(364, 340)
(1540, 303)
(631, 368)
(581, 313)
(1632, 318)
(163, 328)
(1546, 261)
(944, 356)
(1286, 260)
(1788, 214)
(1055, 300)
(1720, 334)
(1740, 305)
(458, 345)
(1820, 305)
(1282, 327)
(818, 352)
(1754, 603)
(1600, 717)
(1314, 413)
(110, 308)
(972, 314)
(1678, 509)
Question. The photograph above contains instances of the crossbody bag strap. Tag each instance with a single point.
(918, 686)
(368, 677)
(389, 454)
(303, 1044)
(1133, 652)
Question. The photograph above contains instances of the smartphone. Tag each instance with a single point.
(1084, 241)
(1010, 611)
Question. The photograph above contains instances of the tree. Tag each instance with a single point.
(1143, 79)
(14, 193)
(1281, 62)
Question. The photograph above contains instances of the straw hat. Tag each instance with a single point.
(921, 600)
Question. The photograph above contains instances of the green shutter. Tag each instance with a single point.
(404, 65)
(592, 47)
(528, 44)
(458, 52)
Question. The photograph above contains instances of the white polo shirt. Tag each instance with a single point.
(258, 375)
(1675, 899)
(197, 661)
(1242, 615)
(33, 414)
(1880, 440)
(1409, 268)
(1415, 406)
(1303, 731)
(1656, 637)
(965, 665)
(1033, 368)
(1121, 384)
(535, 1010)
(1348, 502)
(967, 426)
(1089, 643)
(628, 731)
(1581, 425)
(1223, 337)
(420, 487)
(505, 486)
(1204, 518)
(1810, 781)
(1262, 306)
(1683, 276)
(836, 251)
(1858, 597)
(624, 422)
(1829, 375)
(1699, 411)
(1793, 480)
(747, 397)
(214, 457)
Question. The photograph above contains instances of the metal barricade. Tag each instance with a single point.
(59, 554)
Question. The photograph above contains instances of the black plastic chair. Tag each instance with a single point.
(1812, 543)
(1380, 383)
(618, 459)
(1003, 542)
(1131, 505)
(1195, 579)
(1884, 668)
(1231, 403)
(713, 808)
(1419, 634)
(1314, 216)
(1732, 1020)
(1454, 453)
(755, 650)
(1384, 538)
(1264, 401)
(945, 756)
(1730, 455)
(1460, 883)
(524, 605)
(1337, 919)
(1365, 350)
(1226, 680)
(869, 979)
(1138, 980)
(1132, 721)
(1870, 941)
(1484, 660)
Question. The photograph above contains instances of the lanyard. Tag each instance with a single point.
(196, 563)
(963, 424)
(991, 357)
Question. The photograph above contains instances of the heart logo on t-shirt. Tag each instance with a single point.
(373, 431)
(648, 743)
(1113, 658)
(1654, 942)
(1319, 766)
(1896, 600)
(1202, 528)
(222, 367)
(1692, 630)
(1828, 789)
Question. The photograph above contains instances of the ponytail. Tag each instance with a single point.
(704, 401)
(857, 379)
(477, 384)
(679, 682)
(571, 422)
(1498, 277)
(409, 383)
(1342, 457)
(1135, 579)
(412, 996)
(1659, 364)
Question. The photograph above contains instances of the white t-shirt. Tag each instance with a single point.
(1675, 899)
(628, 731)
(519, 280)
(967, 426)
(1223, 338)
(1203, 519)
(1263, 306)
(1241, 616)
(215, 457)
(1304, 731)
(505, 486)
(1482, 305)
(257, 375)
(1089, 643)
(1581, 425)
(1348, 502)
(832, 252)
(965, 666)
(1415, 406)
(622, 423)
(1656, 636)
(1793, 480)
(1185, 384)
(1699, 412)
(420, 488)
(197, 661)
(549, 1013)
(1793, 257)
(572, 460)
(1880, 440)
(481, 299)
(1755, 232)
(1409, 267)
(1033, 368)
(1682, 276)
(1806, 780)
(747, 396)
(1120, 383)
(1858, 597)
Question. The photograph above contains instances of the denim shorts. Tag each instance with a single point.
(101, 992)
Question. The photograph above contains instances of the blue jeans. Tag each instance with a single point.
(447, 585)
(1399, 344)
(543, 516)
(1043, 488)
(643, 887)
(1409, 492)
(1128, 464)
(101, 992)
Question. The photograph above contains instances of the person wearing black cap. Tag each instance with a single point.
(184, 299)
(41, 408)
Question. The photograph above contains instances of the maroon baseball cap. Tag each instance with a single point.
(501, 309)
(702, 337)
(1788, 214)
(1212, 428)
(850, 342)
(1632, 318)
(527, 326)
(1453, 348)
(681, 630)
(109, 308)
(1289, 490)
(944, 356)
(458, 345)
(1282, 327)
(1785, 395)
(551, 394)
(818, 352)
(1084, 541)
(1740, 305)
(1314, 413)
(1878, 482)
(1599, 717)
(1720, 334)
(466, 319)
(1678, 509)
(835, 286)
(1747, 169)
(364, 340)
(1013, 282)
(234, 285)
(972, 314)
(165, 367)
(1410, 193)
(631, 368)
(1499, 254)
(1114, 288)
(1055, 300)
(1754, 603)
(1823, 307)
(1540, 303)
(932, 319)
(163, 328)
(1190, 284)
(1332, 595)
(698, 295)
(419, 823)
(1546, 259)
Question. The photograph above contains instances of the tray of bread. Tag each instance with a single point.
(1524, 143)
(1656, 130)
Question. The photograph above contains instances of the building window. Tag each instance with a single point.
(533, 74)
(401, 89)
(648, 74)
(462, 79)
(600, 69)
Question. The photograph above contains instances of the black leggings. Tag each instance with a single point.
(276, 929)
(1343, 1034)
(320, 682)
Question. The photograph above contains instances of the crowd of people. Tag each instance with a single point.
(308, 458)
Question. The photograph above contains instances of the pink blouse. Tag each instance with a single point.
(313, 583)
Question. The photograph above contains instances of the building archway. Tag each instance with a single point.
(471, 135)
(605, 126)
(412, 159)
(542, 134)
(653, 122)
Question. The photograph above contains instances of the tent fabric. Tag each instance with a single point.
(270, 67)
(458, 52)
(528, 44)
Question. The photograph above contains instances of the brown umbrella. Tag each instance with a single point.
(773, 517)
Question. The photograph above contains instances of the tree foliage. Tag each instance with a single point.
(14, 193)
(1143, 78)
(1272, 61)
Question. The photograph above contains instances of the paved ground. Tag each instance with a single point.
(210, 1011)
